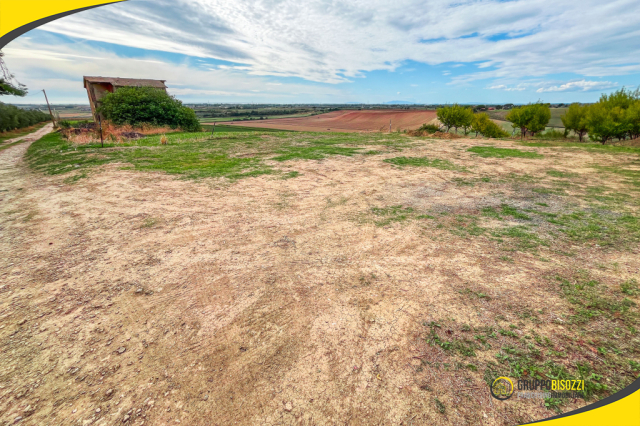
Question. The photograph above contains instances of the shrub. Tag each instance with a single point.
(482, 124)
(139, 105)
(429, 128)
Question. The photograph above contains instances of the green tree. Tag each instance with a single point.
(138, 105)
(575, 119)
(486, 127)
(601, 122)
(633, 119)
(446, 116)
(531, 118)
(480, 121)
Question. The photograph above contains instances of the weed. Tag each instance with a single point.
(440, 406)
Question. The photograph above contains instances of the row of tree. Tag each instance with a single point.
(614, 116)
(459, 117)
(12, 117)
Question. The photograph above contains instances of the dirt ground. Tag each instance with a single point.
(140, 298)
(347, 121)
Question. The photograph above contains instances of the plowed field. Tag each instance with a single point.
(347, 121)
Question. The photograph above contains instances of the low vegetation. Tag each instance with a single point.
(146, 105)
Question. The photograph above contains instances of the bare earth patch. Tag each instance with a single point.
(130, 297)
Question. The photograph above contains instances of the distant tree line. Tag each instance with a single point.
(12, 117)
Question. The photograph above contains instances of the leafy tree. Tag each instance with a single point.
(575, 119)
(456, 116)
(138, 105)
(633, 119)
(480, 121)
(603, 123)
(531, 118)
(445, 116)
(465, 118)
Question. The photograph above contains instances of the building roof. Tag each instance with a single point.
(126, 82)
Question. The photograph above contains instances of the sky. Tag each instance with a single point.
(332, 51)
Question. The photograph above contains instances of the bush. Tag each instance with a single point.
(429, 128)
(12, 117)
(482, 124)
(139, 105)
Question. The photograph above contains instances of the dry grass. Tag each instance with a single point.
(355, 291)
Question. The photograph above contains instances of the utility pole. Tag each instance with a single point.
(50, 113)
(389, 125)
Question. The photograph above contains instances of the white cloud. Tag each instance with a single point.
(50, 67)
(581, 85)
(334, 42)
(518, 88)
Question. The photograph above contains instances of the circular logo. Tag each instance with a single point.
(502, 388)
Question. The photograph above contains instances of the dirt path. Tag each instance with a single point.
(138, 298)
(48, 128)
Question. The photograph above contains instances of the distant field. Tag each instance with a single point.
(349, 121)
(224, 128)
(555, 121)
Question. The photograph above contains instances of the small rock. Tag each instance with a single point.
(139, 290)
(121, 350)
(97, 410)
(150, 403)
(22, 321)
(205, 397)
(288, 407)
(17, 419)
(126, 418)
(109, 392)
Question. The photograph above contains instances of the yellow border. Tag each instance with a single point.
(19, 16)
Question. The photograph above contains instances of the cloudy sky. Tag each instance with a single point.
(331, 51)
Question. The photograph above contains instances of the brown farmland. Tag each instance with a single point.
(347, 121)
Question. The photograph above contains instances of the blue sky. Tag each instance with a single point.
(371, 51)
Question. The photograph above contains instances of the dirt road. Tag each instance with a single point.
(48, 128)
(138, 298)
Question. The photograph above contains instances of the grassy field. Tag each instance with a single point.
(293, 270)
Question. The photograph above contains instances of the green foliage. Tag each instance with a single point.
(429, 128)
(575, 119)
(531, 118)
(551, 134)
(9, 88)
(12, 117)
(456, 116)
(482, 124)
(139, 105)
(616, 115)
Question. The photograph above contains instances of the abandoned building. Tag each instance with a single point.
(98, 87)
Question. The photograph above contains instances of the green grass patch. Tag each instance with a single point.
(490, 151)
(423, 162)
(387, 215)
